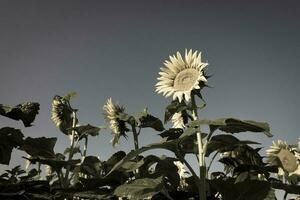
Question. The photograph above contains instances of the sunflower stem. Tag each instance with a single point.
(85, 147)
(71, 147)
(135, 137)
(202, 167)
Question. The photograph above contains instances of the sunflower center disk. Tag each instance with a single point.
(186, 79)
(288, 160)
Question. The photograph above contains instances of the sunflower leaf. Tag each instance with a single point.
(32, 146)
(168, 145)
(144, 188)
(86, 130)
(241, 190)
(9, 138)
(25, 112)
(91, 166)
(55, 163)
(231, 125)
(146, 120)
(172, 133)
(222, 143)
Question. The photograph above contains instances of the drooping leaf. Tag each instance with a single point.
(168, 145)
(112, 180)
(138, 189)
(132, 165)
(32, 173)
(9, 138)
(39, 147)
(145, 120)
(76, 149)
(94, 194)
(266, 170)
(289, 188)
(25, 112)
(171, 134)
(174, 107)
(242, 155)
(91, 165)
(55, 163)
(86, 130)
(115, 158)
(222, 143)
(246, 190)
(166, 167)
(231, 125)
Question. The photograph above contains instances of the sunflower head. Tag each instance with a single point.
(61, 114)
(118, 127)
(286, 158)
(180, 76)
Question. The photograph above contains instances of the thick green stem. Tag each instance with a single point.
(135, 137)
(85, 147)
(71, 147)
(202, 167)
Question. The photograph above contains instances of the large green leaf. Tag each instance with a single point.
(243, 155)
(55, 163)
(222, 143)
(86, 130)
(9, 138)
(231, 125)
(91, 165)
(25, 112)
(94, 194)
(39, 147)
(168, 145)
(145, 120)
(138, 189)
(246, 190)
(171, 134)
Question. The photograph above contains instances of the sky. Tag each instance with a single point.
(103, 49)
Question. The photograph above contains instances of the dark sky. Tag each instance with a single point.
(115, 48)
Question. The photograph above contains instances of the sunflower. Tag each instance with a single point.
(118, 127)
(178, 120)
(61, 114)
(288, 160)
(180, 76)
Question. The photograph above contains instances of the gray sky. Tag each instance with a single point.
(104, 49)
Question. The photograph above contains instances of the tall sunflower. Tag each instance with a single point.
(118, 127)
(180, 76)
(287, 160)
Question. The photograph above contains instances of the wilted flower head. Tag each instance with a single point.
(180, 76)
(178, 120)
(182, 172)
(118, 127)
(61, 113)
(286, 158)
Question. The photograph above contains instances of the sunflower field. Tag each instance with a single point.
(248, 174)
